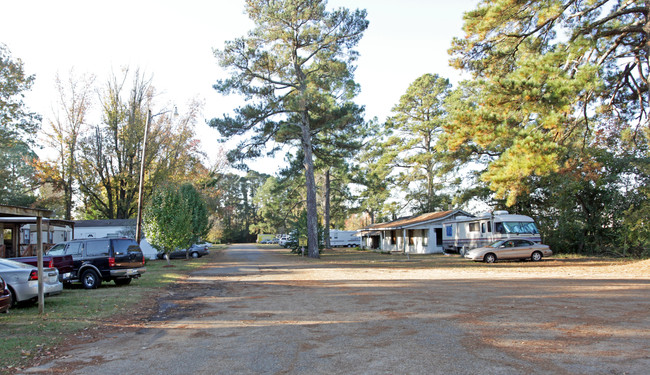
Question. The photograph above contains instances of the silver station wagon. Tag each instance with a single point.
(509, 249)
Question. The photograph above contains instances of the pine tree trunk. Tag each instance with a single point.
(312, 210)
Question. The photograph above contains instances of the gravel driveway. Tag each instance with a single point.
(258, 311)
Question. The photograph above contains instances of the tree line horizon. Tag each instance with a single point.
(552, 124)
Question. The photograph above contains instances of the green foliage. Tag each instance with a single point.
(294, 68)
(167, 220)
(18, 129)
(299, 230)
(549, 76)
(410, 148)
(237, 210)
(200, 218)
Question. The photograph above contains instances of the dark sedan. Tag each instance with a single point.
(195, 251)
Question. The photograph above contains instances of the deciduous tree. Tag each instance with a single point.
(18, 127)
(167, 220)
(67, 126)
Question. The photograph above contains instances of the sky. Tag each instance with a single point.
(173, 42)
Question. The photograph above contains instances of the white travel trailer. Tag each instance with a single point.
(465, 233)
(344, 238)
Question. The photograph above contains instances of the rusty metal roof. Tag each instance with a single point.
(413, 220)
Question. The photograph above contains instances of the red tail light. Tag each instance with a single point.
(143, 259)
(111, 262)
(51, 264)
(33, 275)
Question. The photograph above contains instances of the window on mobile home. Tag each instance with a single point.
(473, 227)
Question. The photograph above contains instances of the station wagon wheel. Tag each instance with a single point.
(490, 258)
(536, 257)
(90, 279)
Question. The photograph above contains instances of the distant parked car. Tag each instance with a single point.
(103, 259)
(22, 281)
(5, 297)
(509, 249)
(195, 251)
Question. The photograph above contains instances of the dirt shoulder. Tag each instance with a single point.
(263, 311)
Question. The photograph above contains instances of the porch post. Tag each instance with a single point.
(39, 251)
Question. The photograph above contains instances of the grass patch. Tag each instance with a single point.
(28, 336)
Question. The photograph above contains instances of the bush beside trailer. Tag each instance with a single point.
(466, 233)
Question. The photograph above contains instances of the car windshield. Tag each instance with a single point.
(58, 249)
(518, 227)
(495, 244)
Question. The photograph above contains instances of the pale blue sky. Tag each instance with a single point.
(173, 41)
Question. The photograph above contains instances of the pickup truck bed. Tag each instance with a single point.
(63, 263)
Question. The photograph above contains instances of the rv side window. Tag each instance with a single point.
(489, 225)
(473, 227)
(482, 227)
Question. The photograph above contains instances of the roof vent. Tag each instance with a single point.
(485, 214)
(500, 212)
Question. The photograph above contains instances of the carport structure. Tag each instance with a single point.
(38, 215)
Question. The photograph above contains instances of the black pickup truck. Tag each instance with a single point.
(103, 259)
(63, 263)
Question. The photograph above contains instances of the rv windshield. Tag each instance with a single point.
(517, 227)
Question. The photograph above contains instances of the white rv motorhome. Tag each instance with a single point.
(344, 238)
(466, 233)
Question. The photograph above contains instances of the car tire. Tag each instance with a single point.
(12, 297)
(536, 257)
(490, 258)
(121, 282)
(195, 255)
(90, 279)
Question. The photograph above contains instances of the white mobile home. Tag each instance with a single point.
(344, 238)
(413, 235)
(464, 233)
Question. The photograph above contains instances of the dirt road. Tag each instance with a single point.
(259, 312)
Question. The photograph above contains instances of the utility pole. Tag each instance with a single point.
(138, 223)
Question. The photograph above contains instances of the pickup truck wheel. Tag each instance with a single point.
(120, 282)
(90, 279)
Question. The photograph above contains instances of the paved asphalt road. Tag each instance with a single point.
(255, 312)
